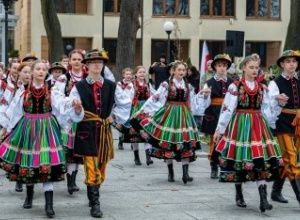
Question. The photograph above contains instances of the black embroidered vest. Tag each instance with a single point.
(87, 133)
(212, 113)
(292, 89)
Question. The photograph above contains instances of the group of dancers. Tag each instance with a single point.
(253, 127)
(50, 127)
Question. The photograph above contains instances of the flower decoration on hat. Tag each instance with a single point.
(225, 57)
(57, 65)
(96, 54)
(29, 56)
(288, 53)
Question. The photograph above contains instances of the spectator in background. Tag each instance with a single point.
(158, 71)
(209, 73)
(193, 77)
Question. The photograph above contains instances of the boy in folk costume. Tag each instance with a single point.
(93, 138)
(56, 70)
(217, 87)
(285, 90)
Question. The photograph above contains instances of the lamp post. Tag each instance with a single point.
(168, 27)
(6, 4)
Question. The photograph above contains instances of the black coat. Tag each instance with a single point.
(161, 74)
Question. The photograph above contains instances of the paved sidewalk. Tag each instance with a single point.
(143, 192)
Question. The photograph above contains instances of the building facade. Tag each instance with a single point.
(264, 23)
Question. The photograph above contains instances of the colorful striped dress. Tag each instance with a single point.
(33, 151)
(167, 122)
(248, 150)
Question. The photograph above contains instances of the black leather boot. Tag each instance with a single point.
(171, 173)
(74, 180)
(49, 204)
(185, 177)
(137, 157)
(214, 170)
(71, 183)
(88, 195)
(148, 158)
(93, 195)
(276, 191)
(29, 196)
(296, 187)
(120, 144)
(19, 187)
(264, 204)
(239, 198)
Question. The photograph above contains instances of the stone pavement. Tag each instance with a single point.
(143, 192)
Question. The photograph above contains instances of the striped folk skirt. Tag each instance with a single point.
(33, 152)
(248, 151)
(68, 139)
(172, 132)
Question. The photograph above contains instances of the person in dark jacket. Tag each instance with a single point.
(193, 77)
(159, 72)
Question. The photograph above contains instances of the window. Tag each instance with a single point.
(257, 47)
(170, 7)
(178, 50)
(69, 45)
(263, 9)
(112, 6)
(217, 8)
(65, 6)
(110, 45)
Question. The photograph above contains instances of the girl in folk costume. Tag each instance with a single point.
(32, 152)
(123, 99)
(65, 83)
(285, 90)
(127, 104)
(12, 76)
(168, 124)
(56, 70)
(216, 87)
(248, 150)
(23, 79)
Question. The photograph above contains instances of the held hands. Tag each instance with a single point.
(282, 99)
(217, 136)
(77, 106)
(206, 91)
(3, 134)
(110, 119)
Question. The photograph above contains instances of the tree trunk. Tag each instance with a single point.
(53, 30)
(292, 41)
(128, 26)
